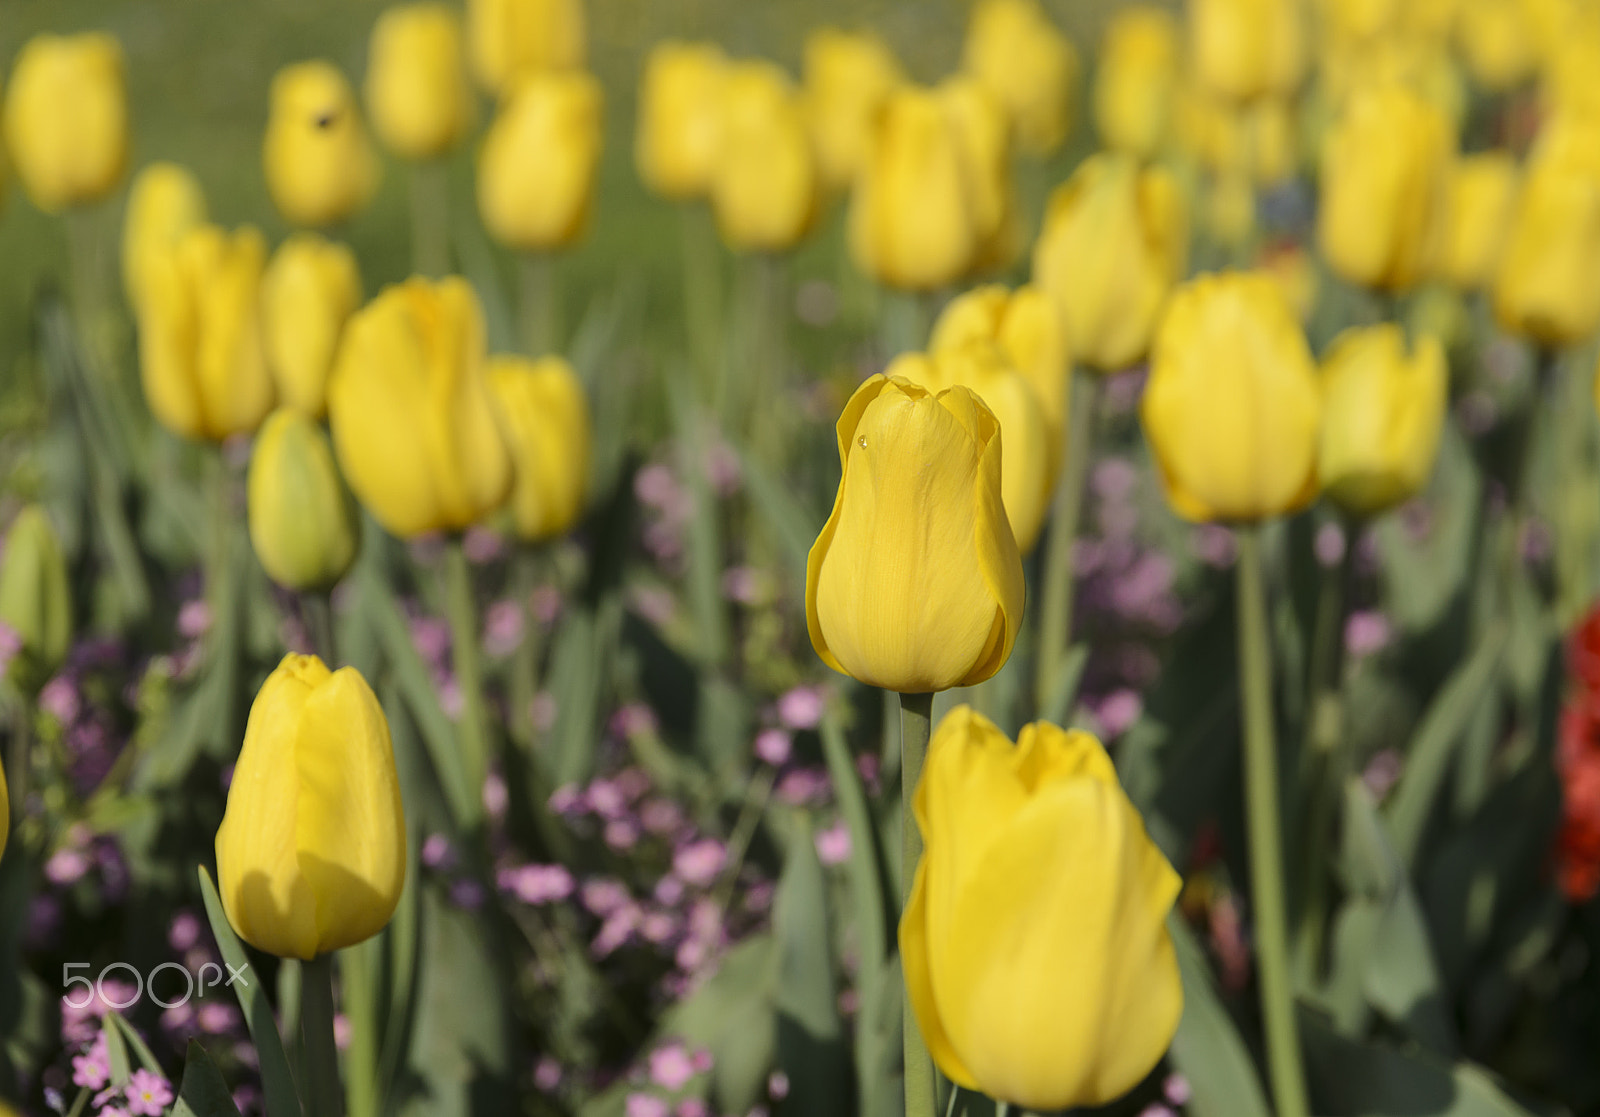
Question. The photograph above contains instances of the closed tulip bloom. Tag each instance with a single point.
(848, 76)
(1242, 49)
(1037, 959)
(1114, 242)
(310, 289)
(1232, 408)
(409, 406)
(1385, 168)
(985, 144)
(680, 113)
(302, 525)
(512, 38)
(1137, 80)
(764, 178)
(202, 357)
(536, 172)
(1382, 411)
(417, 87)
(164, 203)
(1479, 198)
(1027, 327)
(1497, 43)
(311, 853)
(320, 166)
(1029, 65)
(1570, 81)
(912, 224)
(66, 119)
(545, 414)
(35, 599)
(915, 582)
(1355, 21)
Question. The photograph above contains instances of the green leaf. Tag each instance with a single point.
(203, 1092)
(793, 525)
(1064, 688)
(734, 1016)
(812, 1048)
(575, 680)
(1208, 1048)
(134, 1040)
(116, 1051)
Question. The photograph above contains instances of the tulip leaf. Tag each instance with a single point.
(1422, 577)
(1064, 687)
(134, 1040)
(793, 525)
(575, 666)
(116, 1051)
(812, 1048)
(203, 1092)
(1207, 1047)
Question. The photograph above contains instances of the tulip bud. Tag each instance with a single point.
(764, 178)
(1242, 49)
(1381, 417)
(1137, 80)
(409, 405)
(1037, 959)
(680, 111)
(912, 224)
(1385, 164)
(985, 146)
(35, 601)
(309, 291)
(311, 853)
(915, 582)
(319, 164)
(510, 39)
(1028, 64)
(1478, 204)
(416, 84)
(164, 203)
(201, 354)
(1497, 43)
(545, 414)
(536, 173)
(1114, 242)
(66, 119)
(302, 525)
(848, 76)
(1027, 327)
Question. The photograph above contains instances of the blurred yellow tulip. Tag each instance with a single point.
(915, 582)
(1115, 240)
(302, 525)
(1571, 78)
(1357, 21)
(311, 853)
(66, 119)
(848, 76)
(409, 405)
(545, 414)
(509, 39)
(1232, 408)
(1030, 67)
(1497, 43)
(202, 357)
(1137, 79)
(1242, 49)
(319, 163)
(764, 177)
(35, 600)
(536, 172)
(310, 289)
(680, 111)
(164, 203)
(985, 145)
(417, 88)
(1037, 959)
(1478, 205)
(1027, 327)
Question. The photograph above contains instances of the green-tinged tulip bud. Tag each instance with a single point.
(985, 145)
(1232, 408)
(915, 582)
(545, 414)
(536, 173)
(764, 178)
(66, 119)
(164, 203)
(409, 405)
(1478, 206)
(1242, 49)
(1029, 65)
(1037, 958)
(509, 39)
(302, 524)
(1027, 327)
(310, 289)
(320, 166)
(680, 113)
(202, 358)
(417, 89)
(1382, 411)
(1114, 242)
(35, 601)
(311, 853)
(848, 76)
(1137, 80)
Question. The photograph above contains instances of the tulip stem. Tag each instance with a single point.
(317, 610)
(1262, 791)
(430, 219)
(916, 724)
(1055, 626)
(463, 614)
(320, 1058)
(536, 278)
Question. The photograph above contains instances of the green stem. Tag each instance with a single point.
(916, 725)
(463, 614)
(524, 682)
(430, 219)
(320, 1067)
(541, 326)
(317, 610)
(1266, 837)
(1055, 626)
(702, 295)
(904, 322)
(19, 764)
(361, 1010)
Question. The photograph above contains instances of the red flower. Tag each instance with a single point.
(1583, 651)
(1578, 764)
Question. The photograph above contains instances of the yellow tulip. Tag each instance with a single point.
(545, 414)
(848, 76)
(512, 38)
(912, 221)
(1028, 64)
(302, 525)
(1137, 80)
(202, 357)
(1571, 78)
(1247, 48)
(1382, 412)
(1430, 19)
(35, 599)
(5, 829)
(409, 405)
(1548, 283)
(1037, 958)
(1232, 407)
(311, 853)
(1424, 66)
(66, 119)
(536, 172)
(164, 203)
(1114, 242)
(1385, 168)
(680, 111)
(1228, 208)
(1027, 327)
(1356, 21)
(1497, 43)
(1478, 205)
(310, 289)
(985, 145)
(915, 582)
(1295, 272)
(417, 87)
(764, 178)
(319, 163)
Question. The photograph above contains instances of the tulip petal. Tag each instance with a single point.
(914, 926)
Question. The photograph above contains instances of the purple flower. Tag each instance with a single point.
(537, 884)
(617, 929)
(466, 894)
(495, 795)
(194, 618)
(1330, 544)
(660, 816)
(802, 707)
(436, 852)
(777, 1085)
(148, 1094)
(602, 896)
(1177, 1089)
(184, 932)
(66, 866)
(622, 833)
(645, 1105)
(803, 787)
(606, 799)
(1365, 632)
(218, 1018)
(482, 545)
(833, 844)
(1214, 544)
(698, 863)
(92, 1069)
(773, 746)
(671, 1068)
(502, 628)
(1119, 711)
(546, 1073)
(59, 699)
(658, 927)
(567, 799)
(692, 1107)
